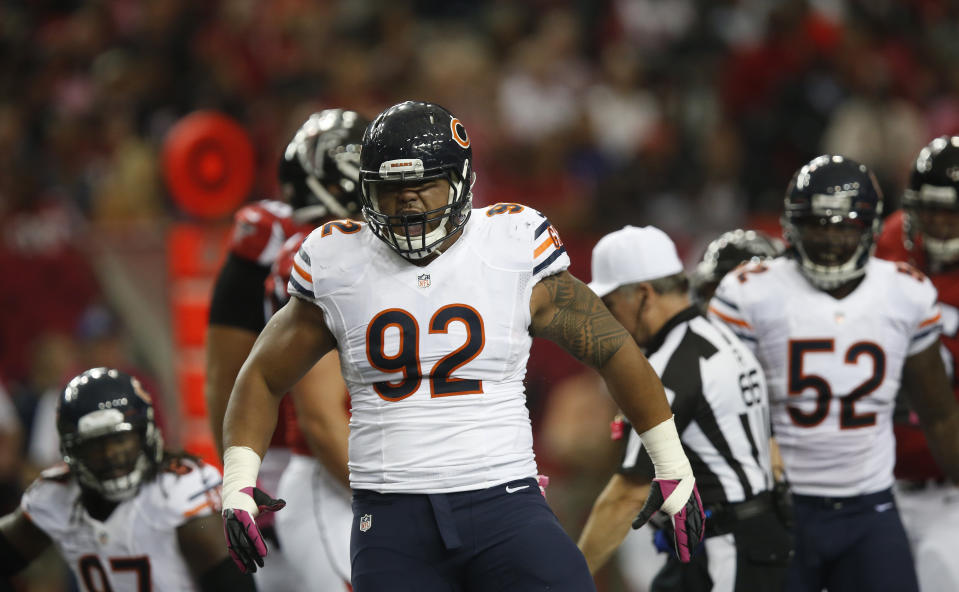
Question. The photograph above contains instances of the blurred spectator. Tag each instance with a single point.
(11, 441)
(52, 360)
(102, 341)
(622, 114)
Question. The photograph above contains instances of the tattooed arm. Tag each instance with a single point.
(566, 311)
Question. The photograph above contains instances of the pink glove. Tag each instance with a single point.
(689, 523)
(243, 538)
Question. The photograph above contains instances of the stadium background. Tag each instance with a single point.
(687, 114)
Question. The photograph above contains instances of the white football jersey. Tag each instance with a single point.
(434, 356)
(136, 547)
(833, 367)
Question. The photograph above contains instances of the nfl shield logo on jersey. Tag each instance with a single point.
(366, 522)
(423, 281)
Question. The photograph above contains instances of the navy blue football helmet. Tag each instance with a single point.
(319, 170)
(933, 192)
(724, 254)
(833, 214)
(415, 142)
(107, 433)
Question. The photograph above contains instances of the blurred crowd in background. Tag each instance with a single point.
(687, 114)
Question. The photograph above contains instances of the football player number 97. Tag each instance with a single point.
(99, 583)
(406, 360)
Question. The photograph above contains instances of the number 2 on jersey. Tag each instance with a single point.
(799, 381)
(407, 357)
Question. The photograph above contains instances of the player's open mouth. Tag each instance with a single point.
(414, 224)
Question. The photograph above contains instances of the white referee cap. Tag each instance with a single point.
(631, 255)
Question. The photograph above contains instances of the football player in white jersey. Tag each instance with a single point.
(124, 514)
(836, 331)
(432, 307)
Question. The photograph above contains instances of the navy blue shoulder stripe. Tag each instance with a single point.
(726, 302)
(919, 336)
(745, 337)
(542, 228)
(304, 256)
(549, 260)
(300, 288)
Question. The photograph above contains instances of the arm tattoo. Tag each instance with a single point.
(580, 322)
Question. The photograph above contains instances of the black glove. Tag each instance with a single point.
(689, 523)
(243, 538)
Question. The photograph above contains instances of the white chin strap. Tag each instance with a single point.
(122, 488)
(830, 277)
(941, 251)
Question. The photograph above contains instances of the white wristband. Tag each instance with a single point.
(240, 468)
(666, 451)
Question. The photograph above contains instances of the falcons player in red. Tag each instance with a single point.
(319, 176)
(925, 234)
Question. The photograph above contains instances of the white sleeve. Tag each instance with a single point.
(193, 490)
(549, 253)
(929, 327)
(727, 307)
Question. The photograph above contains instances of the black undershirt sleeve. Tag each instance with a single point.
(238, 295)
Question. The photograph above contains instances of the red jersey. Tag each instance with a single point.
(261, 228)
(259, 231)
(913, 459)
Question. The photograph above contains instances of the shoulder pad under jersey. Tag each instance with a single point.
(518, 237)
(335, 255)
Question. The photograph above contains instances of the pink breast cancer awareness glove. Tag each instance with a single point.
(243, 538)
(689, 521)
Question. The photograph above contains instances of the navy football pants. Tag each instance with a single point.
(487, 540)
(852, 544)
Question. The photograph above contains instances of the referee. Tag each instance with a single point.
(718, 395)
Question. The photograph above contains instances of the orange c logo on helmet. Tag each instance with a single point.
(459, 133)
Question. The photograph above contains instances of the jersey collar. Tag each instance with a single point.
(683, 316)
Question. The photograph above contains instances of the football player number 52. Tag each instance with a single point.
(799, 381)
(406, 360)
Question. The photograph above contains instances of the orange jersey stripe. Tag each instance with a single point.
(542, 247)
(194, 511)
(928, 322)
(729, 319)
(303, 273)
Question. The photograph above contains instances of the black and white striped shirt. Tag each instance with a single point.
(717, 392)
